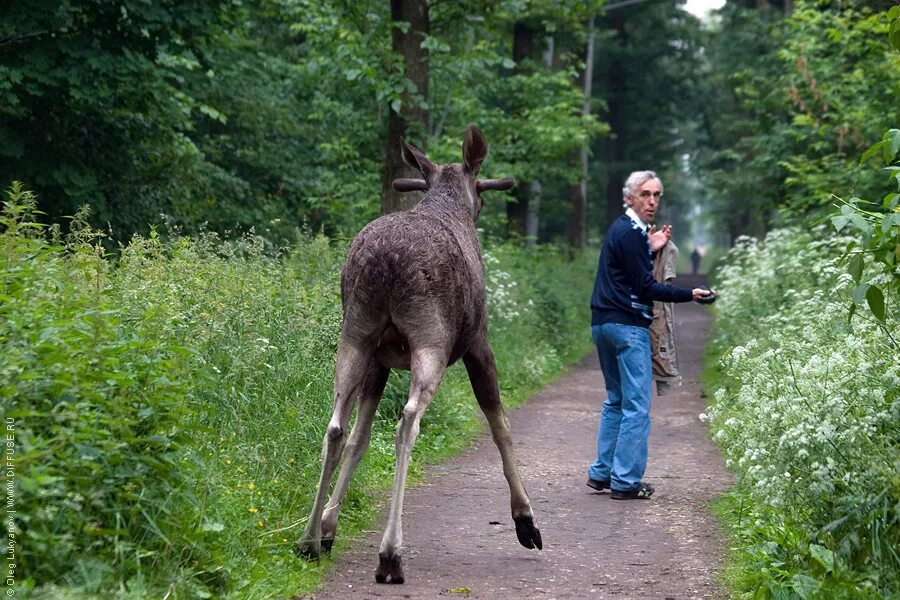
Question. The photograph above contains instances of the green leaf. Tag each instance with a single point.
(890, 220)
(890, 201)
(839, 222)
(804, 585)
(895, 173)
(823, 556)
(859, 293)
(891, 145)
(855, 268)
(212, 113)
(894, 35)
(860, 223)
(875, 299)
(872, 151)
(893, 13)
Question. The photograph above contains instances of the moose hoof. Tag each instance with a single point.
(327, 544)
(308, 549)
(529, 535)
(389, 569)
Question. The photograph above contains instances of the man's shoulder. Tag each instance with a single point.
(624, 230)
(623, 224)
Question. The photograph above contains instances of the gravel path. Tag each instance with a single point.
(459, 538)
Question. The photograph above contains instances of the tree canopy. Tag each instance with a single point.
(277, 114)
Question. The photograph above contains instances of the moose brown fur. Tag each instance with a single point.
(414, 298)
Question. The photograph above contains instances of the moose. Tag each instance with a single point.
(414, 298)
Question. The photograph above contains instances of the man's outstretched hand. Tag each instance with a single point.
(704, 295)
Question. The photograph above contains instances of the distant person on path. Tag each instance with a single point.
(662, 329)
(621, 313)
(695, 261)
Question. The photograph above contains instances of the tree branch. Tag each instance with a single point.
(21, 38)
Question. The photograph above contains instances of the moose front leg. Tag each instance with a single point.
(483, 375)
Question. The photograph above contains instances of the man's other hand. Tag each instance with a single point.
(659, 237)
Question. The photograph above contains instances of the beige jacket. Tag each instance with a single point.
(662, 329)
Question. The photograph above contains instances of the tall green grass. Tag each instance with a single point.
(169, 401)
(807, 411)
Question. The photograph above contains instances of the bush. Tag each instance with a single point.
(94, 397)
(807, 411)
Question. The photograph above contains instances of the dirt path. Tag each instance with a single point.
(459, 539)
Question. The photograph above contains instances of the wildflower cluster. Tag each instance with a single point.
(808, 407)
(504, 301)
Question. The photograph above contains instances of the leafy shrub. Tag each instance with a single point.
(96, 400)
(807, 412)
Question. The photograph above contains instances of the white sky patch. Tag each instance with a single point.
(700, 8)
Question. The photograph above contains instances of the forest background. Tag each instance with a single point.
(223, 148)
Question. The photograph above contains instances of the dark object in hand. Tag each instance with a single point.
(706, 299)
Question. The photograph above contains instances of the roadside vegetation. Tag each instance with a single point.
(806, 408)
(805, 366)
(170, 399)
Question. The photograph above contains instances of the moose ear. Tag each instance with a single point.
(416, 159)
(474, 150)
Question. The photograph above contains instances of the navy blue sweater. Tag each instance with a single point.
(624, 290)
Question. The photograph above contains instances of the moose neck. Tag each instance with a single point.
(448, 197)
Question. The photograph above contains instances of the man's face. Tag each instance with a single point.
(645, 200)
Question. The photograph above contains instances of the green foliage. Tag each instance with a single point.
(170, 404)
(806, 411)
(794, 102)
(96, 398)
(267, 114)
(94, 108)
(878, 224)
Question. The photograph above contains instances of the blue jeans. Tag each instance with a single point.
(624, 352)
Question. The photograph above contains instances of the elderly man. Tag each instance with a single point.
(621, 313)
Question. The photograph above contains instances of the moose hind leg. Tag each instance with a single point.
(372, 389)
(483, 376)
(427, 369)
(349, 372)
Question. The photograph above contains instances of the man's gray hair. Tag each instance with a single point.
(636, 180)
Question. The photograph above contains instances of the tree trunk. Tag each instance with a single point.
(523, 217)
(517, 212)
(614, 199)
(412, 119)
(532, 216)
(533, 212)
(578, 193)
(615, 147)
